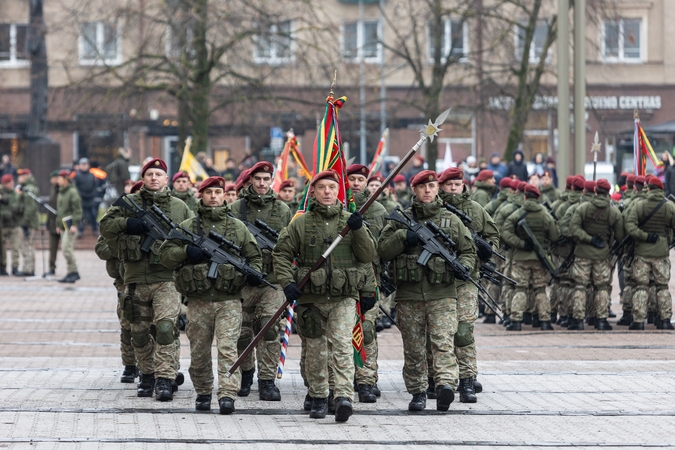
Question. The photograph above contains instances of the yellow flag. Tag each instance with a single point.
(190, 164)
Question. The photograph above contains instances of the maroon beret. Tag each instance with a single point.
(286, 184)
(653, 181)
(425, 176)
(23, 172)
(262, 166)
(603, 184)
(212, 182)
(230, 187)
(640, 180)
(505, 183)
(242, 179)
(6, 178)
(400, 179)
(329, 174)
(521, 186)
(568, 181)
(589, 186)
(530, 189)
(64, 173)
(485, 175)
(578, 183)
(630, 178)
(136, 187)
(376, 177)
(358, 169)
(179, 175)
(452, 173)
(154, 164)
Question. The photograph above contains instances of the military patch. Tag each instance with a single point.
(312, 241)
(431, 177)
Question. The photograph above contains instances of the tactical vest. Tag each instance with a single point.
(537, 223)
(658, 223)
(271, 217)
(596, 222)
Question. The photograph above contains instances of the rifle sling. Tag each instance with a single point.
(651, 214)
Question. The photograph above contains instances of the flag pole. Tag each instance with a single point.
(595, 148)
(428, 132)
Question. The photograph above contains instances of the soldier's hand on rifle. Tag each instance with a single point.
(292, 292)
(597, 242)
(411, 238)
(529, 246)
(652, 238)
(367, 303)
(136, 226)
(254, 279)
(196, 255)
(463, 275)
(355, 221)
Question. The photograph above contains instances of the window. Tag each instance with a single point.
(98, 44)
(538, 40)
(274, 43)
(621, 40)
(179, 40)
(13, 45)
(360, 40)
(454, 40)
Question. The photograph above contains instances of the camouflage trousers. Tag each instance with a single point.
(628, 288)
(507, 288)
(126, 349)
(388, 304)
(27, 251)
(435, 321)
(206, 320)
(327, 346)
(531, 277)
(659, 269)
(68, 250)
(13, 237)
(157, 352)
(495, 289)
(592, 288)
(368, 373)
(260, 304)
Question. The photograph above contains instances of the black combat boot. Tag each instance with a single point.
(180, 379)
(146, 384)
(637, 326)
(590, 321)
(226, 405)
(560, 319)
(366, 394)
(319, 408)
(386, 323)
(467, 394)
(514, 326)
(477, 387)
(554, 316)
(268, 392)
(546, 326)
(626, 319)
(343, 409)
(163, 390)
(203, 402)
(504, 320)
(445, 396)
(379, 326)
(611, 313)
(602, 325)
(431, 389)
(307, 404)
(651, 316)
(418, 402)
(665, 325)
(129, 374)
(565, 321)
(246, 382)
(575, 324)
(70, 278)
(3, 272)
(527, 318)
(16, 273)
(536, 323)
(376, 391)
(182, 322)
(331, 402)
(490, 318)
(657, 322)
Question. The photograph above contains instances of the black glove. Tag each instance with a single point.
(292, 292)
(355, 221)
(483, 250)
(652, 238)
(597, 242)
(367, 303)
(529, 246)
(136, 226)
(463, 275)
(196, 255)
(254, 279)
(411, 238)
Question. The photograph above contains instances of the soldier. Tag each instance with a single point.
(54, 237)
(549, 193)
(118, 170)
(402, 190)
(151, 298)
(594, 225)
(30, 220)
(650, 223)
(215, 306)
(230, 193)
(69, 208)
(556, 281)
(454, 191)
(426, 297)
(11, 210)
(374, 183)
(485, 187)
(631, 198)
(258, 201)
(287, 195)
(527, 269)
(182, 189)
(243, 181)
(326, 305)
(504, 186)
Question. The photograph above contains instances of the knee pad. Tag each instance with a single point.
(140, 340)
(166, 332)
(369, 334)
(270, 335)
(125, 336)
(242, 343)
(464, 335)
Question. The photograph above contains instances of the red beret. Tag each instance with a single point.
(453, 173)
(326, 175)
(400, 179)
(242, 179)
(630, 178)
(654, 181)
(505, 183)
(136, 187)
(376, 177)
(64, 173)
(640, 180)
(23, 172)
(578, 183)
(568, 181)
(154, 164)
(358, 169)
(589, 186)
(213, 182)
(532, 190)
(623, 188)
(521, 186)
(286, 184)
(603, 184)
(514, 183)
(179, 175)
(485, 175)
(262, 166)
(547, 173)
(6, 178)
(230, 187)
(425, 176)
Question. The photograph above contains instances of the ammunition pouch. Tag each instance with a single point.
(191, 279)
(131, 306)
(112, 268)
(129, 248)
(342, 283)
(310, 321)
(405, 268)
(166, 332)
(464, 335)
(266, 261)
(229, 280)
(154, 252)
(439, 272)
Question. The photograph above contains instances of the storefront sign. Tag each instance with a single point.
(597, 102)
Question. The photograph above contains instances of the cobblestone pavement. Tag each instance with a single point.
(60, 366)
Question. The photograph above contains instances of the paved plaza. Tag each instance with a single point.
(60, 368)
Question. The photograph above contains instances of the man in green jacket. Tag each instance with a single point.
(54, 237)
(69, 208)
(485, 187)
(151, 298)
(652, 241)
(374, 183)
(30, 220)
(287, 195)
(215, 306)
(426, 296)
(402, 190)
(504, 188)
(11, 209)
(595, 225)
(527, 270)
(258, 201)
(326, 310)
(182, 189)
(549, 193)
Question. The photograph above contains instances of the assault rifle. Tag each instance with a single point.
(386, 286)
(263, 234)
(212, 244)
(157, 232)
(41, 202)
(538, 250)
(550, 210)
(488, 270)
(483, 247)
(429, 236)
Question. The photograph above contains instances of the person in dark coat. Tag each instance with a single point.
(517, 167)
(87, 186)
(669, 183)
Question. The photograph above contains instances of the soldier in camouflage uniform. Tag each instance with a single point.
(527, 269)
(230, 193)
(54, 237)
(326, 310)
(427, 296)
(374, 183)
(631, 198)
(287, 194)
(182, 189)
(485, 187)
(215, 306)
(504, 188)
(11, 209)
(555, 293)
(652, 240)
(258, 201)
(151, 298)
(69, 208)
(549, 193)
(595, 225)
(403, 192)
(30, 220)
